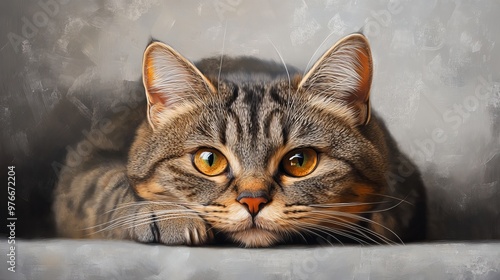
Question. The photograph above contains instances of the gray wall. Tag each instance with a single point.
(436, 83)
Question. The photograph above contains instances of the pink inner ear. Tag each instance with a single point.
(365, 72)
(362, 95)
(156, 97)
(168, 77)
(149, 79)
(346, 67)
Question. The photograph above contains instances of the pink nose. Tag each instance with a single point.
(253, 203)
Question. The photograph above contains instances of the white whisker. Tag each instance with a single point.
(315, 52)
(393, 197)
(305, 228)
(359, 230)
(339, 232)
(222, 55)
(345, 204)
(284, 64)
(357, 217)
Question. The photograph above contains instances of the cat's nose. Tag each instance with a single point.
(253, 201)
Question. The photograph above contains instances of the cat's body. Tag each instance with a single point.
(253, 158)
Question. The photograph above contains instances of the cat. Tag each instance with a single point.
(255, 158)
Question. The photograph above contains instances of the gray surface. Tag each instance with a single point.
(62, 259)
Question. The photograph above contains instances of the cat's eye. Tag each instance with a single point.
(300, 162)
(210, 161)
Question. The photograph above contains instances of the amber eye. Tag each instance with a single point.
(300, 162)
(209, 161)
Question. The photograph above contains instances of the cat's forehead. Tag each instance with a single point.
(257, 94)
(255, 107)
(254, 121)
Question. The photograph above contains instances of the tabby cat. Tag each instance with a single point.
(255, 159)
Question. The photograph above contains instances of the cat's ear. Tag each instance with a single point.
(170, 81)
(344, 75)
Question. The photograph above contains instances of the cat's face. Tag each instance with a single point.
(262, 161)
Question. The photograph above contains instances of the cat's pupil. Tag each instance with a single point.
(208, 157)
(297, 160)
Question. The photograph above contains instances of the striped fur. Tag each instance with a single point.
(362, 189)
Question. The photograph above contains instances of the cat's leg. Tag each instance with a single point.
(100, 203)
(169, 224)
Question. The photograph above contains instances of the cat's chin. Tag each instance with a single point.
(254, 238)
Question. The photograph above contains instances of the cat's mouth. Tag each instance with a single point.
(257, 233)
(255, 237)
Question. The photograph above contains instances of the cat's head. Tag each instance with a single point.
(262, 161)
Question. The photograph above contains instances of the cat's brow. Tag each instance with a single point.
(232, 116)
(267, 122)
(253, 99)
(234, 95)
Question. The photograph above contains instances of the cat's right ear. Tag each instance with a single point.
(170, 81)
(343, 76)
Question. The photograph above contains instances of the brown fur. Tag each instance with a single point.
(152, 192)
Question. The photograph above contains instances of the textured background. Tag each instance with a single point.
(65, 64)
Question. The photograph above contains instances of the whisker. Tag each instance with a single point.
(306, 229)
(345, 204)
(299, 233)
(138, 216)
(338, 232)
(346, 225)
(393, 197)
(145, 222)
(350, 225)
(140, 203)
(117, 220)
(139, 222)
(290, 233)
(222, 56)
(315, 52)
(124, 217)
(382, 210)
(284, 64)
(358, 217)
(359, 230)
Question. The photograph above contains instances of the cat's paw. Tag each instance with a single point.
(171, 227)
(197, 235)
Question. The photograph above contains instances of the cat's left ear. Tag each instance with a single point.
(170, 81)
(344, 75)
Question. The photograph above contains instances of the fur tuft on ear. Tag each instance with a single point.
(343, 75)
(170, 81)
